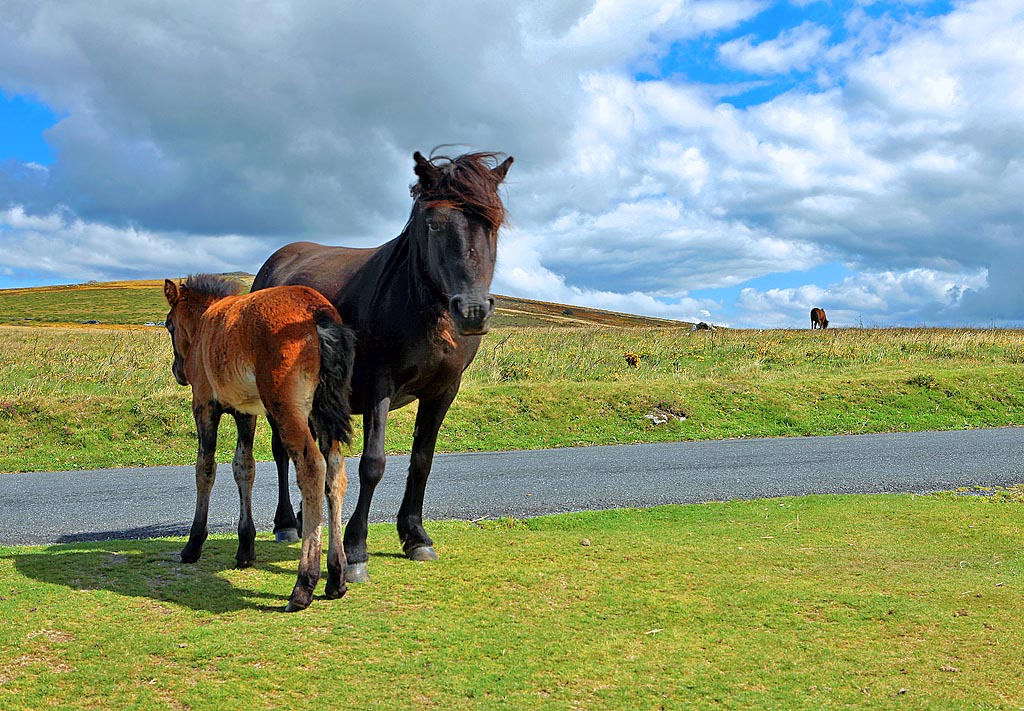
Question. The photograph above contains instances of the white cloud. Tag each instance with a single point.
(520, 270)
(62, 245)
(792, 50)
(220, 139)
(867, 299)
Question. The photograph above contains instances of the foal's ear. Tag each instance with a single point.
(501, 171)
(171, 292)
(425, 171)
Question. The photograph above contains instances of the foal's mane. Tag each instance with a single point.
(466, 183)
(211, 286)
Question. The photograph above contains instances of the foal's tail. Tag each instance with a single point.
(332, 411)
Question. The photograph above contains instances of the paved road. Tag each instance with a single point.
(159, 501)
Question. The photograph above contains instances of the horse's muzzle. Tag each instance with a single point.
(179, 373)
(472, 316)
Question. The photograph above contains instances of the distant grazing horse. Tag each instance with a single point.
(283, 353)
(818, 318)
(419, 305)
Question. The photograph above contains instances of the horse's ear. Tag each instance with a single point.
(425, 171)
(171, 292)
(501, 171)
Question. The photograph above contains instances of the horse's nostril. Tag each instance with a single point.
(455, 305)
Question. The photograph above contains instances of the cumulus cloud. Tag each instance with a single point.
(193, 132)
(62, 245)
(793, 49)
(859, 300)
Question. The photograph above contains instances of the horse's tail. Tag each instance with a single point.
(332, 410)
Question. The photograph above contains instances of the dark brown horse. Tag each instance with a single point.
(419, 305)
(818, 319)
(283, 353)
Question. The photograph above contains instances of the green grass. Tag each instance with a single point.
(74, 398)
(872, 602)
(869, 602)
(132, 302)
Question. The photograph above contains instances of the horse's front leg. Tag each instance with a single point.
(244, 469)
(415, 541)
(337, 482)
(286, 527)
(207, 415)
(371, 471)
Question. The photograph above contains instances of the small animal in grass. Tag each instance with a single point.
(283, 353)
(818, 319)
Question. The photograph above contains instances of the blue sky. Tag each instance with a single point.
(24, 120)
(735, 161)
(698, 60)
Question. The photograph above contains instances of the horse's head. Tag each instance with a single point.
(454, 227)
(188, 302)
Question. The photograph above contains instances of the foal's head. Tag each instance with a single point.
(455, 224)
(188, 302)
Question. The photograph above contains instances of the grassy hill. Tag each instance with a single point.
(126, 303)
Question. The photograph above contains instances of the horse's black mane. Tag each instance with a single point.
(212, 285)
(466, 183)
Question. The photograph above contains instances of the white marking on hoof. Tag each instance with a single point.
(422, 553)
(286, 535)
(356, 573)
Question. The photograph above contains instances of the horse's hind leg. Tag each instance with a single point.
(337, 482)
(371, 471)
(311, 471)
(244, 469)
(286, 528)
(207, 416)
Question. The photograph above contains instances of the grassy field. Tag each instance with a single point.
(876, 602)
(867, 602)
(92, 397)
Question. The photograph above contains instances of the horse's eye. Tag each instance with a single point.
(435, 226)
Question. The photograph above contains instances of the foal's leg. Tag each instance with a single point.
(311, 471)
(415, 541)
(371, 471)
(337, 481)
(244, 469)
(207, 416)
(286, 528)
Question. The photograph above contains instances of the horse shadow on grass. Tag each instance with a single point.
(151, 568)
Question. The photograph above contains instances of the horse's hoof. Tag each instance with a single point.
(333, 592)
(286, 535)
(244, 563)
(188, 557)
(293, 606)
(299, 599)
(422, 553)
(356, 573)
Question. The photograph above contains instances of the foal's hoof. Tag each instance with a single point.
(286, 535)
(422, 553)
(356, 573)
